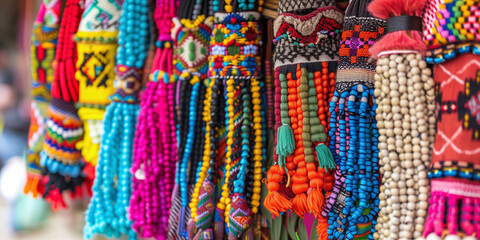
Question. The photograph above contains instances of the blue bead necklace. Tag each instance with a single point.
(358, 162)
(107, 212)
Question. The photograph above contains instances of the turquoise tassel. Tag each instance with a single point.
(285, 141)
(325, 157)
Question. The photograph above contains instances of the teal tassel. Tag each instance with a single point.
(325, 157)
(285, 141)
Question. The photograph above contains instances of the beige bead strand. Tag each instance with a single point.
(405, 97)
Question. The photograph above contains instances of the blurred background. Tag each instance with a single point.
(22, 217)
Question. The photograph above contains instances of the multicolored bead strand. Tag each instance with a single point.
(303, 95)
(107, 211)
(234, 58)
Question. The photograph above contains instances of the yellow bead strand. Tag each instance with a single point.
(206, 152)
(224, 203)
(257, 149)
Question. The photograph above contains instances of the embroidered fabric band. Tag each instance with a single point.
(404, 23)
(302, 39)
(354, 66)
(285, 6)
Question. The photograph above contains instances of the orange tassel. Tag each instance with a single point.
(322, 227)
(33, 185)
(300, 206)
(315, 202)
(275, 202)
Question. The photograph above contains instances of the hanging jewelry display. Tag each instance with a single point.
(191, 32)
(305, 60)
(44, 41)
(405, 94)
(107, 211)
(352, 208)
(235, 60)
(97, 44)
(155, 146)
(451, 34)
(61, 160)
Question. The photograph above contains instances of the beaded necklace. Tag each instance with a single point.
(303, 88)
(235, 60)
(154, 144)
(60, 157)
(192, 33)
(353, 205)
(107, 211)
(44, 41)
(404, 140)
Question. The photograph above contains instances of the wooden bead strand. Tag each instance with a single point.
(404, 144)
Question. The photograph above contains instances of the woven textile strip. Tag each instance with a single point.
(60, 157)
(97, 45)
(44, 41)
(454, 175)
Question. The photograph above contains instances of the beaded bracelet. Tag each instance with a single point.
(60, 157)
(44, 41)
(107, 211)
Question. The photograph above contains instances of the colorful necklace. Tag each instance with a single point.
(154, 145)
(236, 62)
(353, 205)
(107, 211)
(44, 41)
(60, 157)
(192, 38)
(404, 107)
(303, 90)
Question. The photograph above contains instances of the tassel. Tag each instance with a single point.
(322, 227)
(285, 141)
(275, 202)
(325, 157)
(315, 202)
(299, 204)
